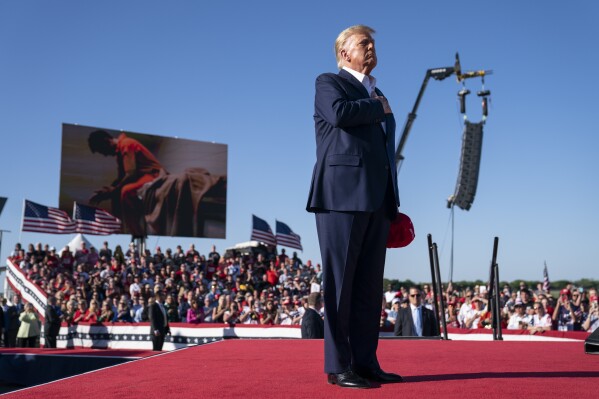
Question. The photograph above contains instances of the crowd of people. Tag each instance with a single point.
(116, 286)
(575, 309)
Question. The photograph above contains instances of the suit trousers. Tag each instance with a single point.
(157, 341)
(353, 250)
(49, 341)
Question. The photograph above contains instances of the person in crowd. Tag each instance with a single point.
(159, 326)
(207, 309)
(270, 314)
(135, 287)
(250, 314)
(141, 314)
(106, 313)
(541, 321)
(219, 311)
(312, 322)
(390, 294)
(416, 320)
(123, 314)
(466, 308)
(592, 321)
(52, 322)
(68, 314)
(451, 315)
(577, 296)
(526, 298)
(172, 309)
(92, 314)
(479, 316)
(135, 305)
(29, 330)
(564, 313)
(393, 312)
(80, 312)
(195, 314)
(105, 252)
(231, 316)
(518, 319)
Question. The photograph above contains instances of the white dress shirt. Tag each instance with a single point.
(369, 83)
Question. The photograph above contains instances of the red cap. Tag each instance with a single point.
(401, 232)
(565, 291)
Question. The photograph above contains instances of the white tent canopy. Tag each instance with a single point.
(75, 243)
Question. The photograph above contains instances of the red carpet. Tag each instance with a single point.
(293, 369)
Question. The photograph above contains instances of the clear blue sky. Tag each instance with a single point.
(242, 73)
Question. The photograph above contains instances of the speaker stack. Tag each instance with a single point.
(465, 190)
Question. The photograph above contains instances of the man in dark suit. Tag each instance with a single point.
(354, 196)
(416, 320)
(312, 323)
(158, 322)
(11, 324)
(51, 323)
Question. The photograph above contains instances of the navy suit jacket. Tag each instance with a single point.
(404, 324)
(354, 156)
(312, 325)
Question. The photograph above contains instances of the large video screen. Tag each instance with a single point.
(156, 185)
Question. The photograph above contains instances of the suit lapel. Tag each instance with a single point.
(354, 82)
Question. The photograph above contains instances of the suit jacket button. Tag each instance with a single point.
(387, 167)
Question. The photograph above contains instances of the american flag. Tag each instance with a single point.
(96, 221)
(546, 283)
(287, 238)
(42, 219)
(261, 231)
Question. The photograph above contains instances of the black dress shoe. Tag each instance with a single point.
(379, 375)
(349, 379)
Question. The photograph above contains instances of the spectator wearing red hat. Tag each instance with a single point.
(564, 313)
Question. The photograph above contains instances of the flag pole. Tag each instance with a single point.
(22, 220)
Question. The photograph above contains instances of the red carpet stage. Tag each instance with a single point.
(282, 368)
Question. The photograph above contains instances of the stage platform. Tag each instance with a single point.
(290, 368)
(33, 366)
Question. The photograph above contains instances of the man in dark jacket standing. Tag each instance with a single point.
(312, 323)
(416, 320)
(354, 196)
(11, 324)
(158, 322)
(51, 323)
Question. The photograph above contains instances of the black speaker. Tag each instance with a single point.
(2, 202)
(591, 345)
(465, 190)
